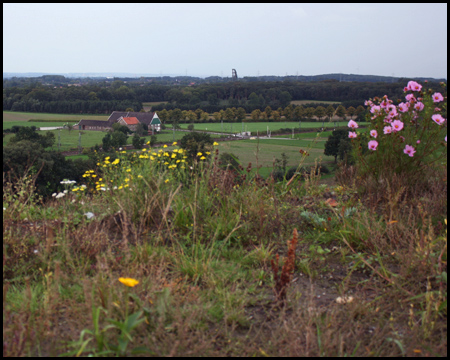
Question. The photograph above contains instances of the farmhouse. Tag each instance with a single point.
(150, 119)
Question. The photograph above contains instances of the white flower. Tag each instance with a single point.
(344, 299)
(60, 195)
(66, 191)
(89, 215)
(54, 194)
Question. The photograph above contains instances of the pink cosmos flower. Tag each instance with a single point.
(397, 125)
(385, 103)
(414, 86)
(410, 97)
(445, 138)
(352, 135)
(352, 124)
(373, 145)
(419, 106)
(388, 119)
(387, 130)
(373, 133)
(437, 97)
(409, 150)
(418, 141)
(375, 109)
(404, 107)
(368, 103)
(392, 110)
(438, 119)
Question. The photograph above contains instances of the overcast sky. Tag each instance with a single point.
(403, 40)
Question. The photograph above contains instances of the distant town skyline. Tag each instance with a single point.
(204, 40)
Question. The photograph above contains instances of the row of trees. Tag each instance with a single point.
(289, 113)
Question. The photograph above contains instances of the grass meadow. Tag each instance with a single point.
(159, 254)
(262, 127)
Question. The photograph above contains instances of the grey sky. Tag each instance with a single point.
(407, 40)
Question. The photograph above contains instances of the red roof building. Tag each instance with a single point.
(130, 122)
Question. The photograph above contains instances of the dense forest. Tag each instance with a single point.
(57, 94)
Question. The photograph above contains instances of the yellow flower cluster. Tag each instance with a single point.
(175, 161)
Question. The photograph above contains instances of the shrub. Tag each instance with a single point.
(137, 141)
(196, 142)
(407, 140)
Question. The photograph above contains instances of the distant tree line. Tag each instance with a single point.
(104, 97)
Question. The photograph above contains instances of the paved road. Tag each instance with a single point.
(51, 128)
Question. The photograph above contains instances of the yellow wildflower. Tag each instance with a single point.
(199, 154)
(129, 281)
(175, 143)
(202, 158)
(215, 144)
(164, 146)
(166, 181)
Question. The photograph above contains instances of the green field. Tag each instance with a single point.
(245, 150)
(12, 118)
(69, 140)
(261, 126)
(25, 116)
(265, 151)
